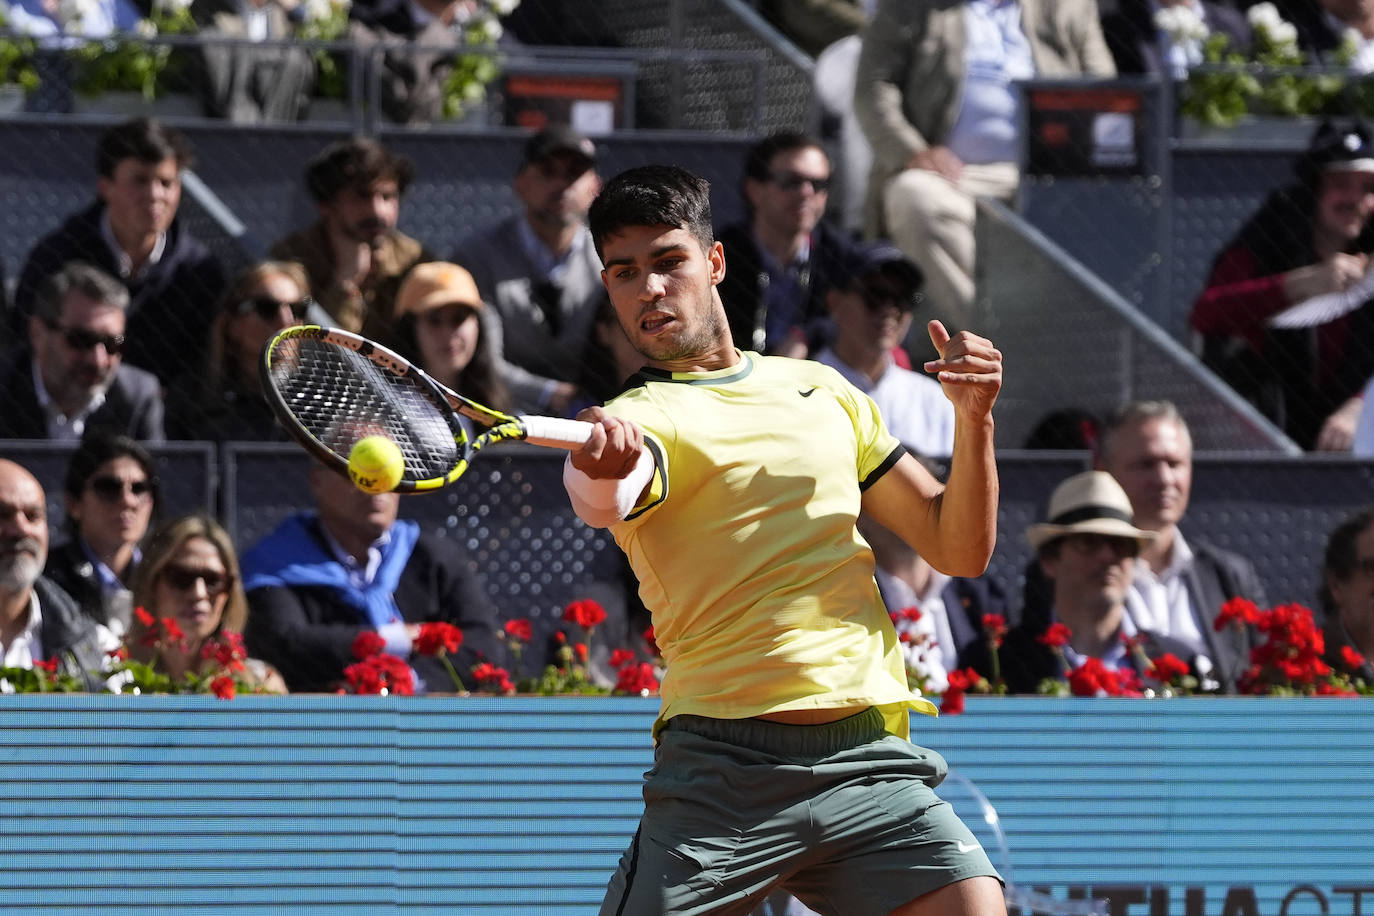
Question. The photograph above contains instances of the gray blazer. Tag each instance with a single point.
(911, 73)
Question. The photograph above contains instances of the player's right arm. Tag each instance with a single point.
(608, 476)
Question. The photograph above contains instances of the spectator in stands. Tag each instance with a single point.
(242, 81)
(1179, 585)
(876, 289)
(1065, 429)
(935, 98)
(224, 400)
(71, 379)
(38, 620)
(814, 24)
(607, 362)
(353, 254)
(539, 271)
(1308, 239)
(1347, 593)
(191, 575)
(420, 37)
(949, 610)
(440, 326)
(1087, 547)
(111, 495)
(783, 257)
(132, 232)
(1329, 30)
(1140, 46)
(60, 24)
(321, 578)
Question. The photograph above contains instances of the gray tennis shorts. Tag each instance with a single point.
(844, 816)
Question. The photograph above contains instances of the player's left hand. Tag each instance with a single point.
(969, 370)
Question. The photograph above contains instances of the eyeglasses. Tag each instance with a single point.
(1091, 543)
(268, 308)
(111, 489)
(82, 339)
(184, 578)
(791, 181)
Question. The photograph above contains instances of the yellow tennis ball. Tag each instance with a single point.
(375, 464)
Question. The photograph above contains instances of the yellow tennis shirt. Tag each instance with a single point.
(761, 589)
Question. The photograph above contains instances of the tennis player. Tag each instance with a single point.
(732, 481)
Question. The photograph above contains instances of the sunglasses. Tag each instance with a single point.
(184, 578)
(877, 298)
(82, 339)
(1091, 543)
(111, 489)
(791, 181)
(267, 308)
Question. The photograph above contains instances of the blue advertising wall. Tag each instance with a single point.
(483, 805)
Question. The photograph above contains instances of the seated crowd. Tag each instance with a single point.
(128, 333)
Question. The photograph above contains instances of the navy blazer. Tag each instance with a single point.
(133, 403)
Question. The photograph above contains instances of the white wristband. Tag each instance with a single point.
(603, 502)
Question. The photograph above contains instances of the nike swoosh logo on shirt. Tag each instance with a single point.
(965, 847)
(807, 394)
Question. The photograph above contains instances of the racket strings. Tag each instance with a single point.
(339, 396)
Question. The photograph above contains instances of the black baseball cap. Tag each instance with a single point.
(865, 258)
(559, 138)
(1338, 146)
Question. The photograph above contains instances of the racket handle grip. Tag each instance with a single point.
(555, 432)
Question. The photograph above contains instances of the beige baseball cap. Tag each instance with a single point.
(434, 284)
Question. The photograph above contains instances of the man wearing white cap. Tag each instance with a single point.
(1087, 547)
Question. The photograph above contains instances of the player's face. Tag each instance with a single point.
(141, 197)
(193, 589)
(1354, 597)
(1344, 203)
(79, 356)
(791, 201)
(1093, 570)
(1153, 462)
(114, 508)
(661, 284)
(365, 214)
(557, 191)
(447, 336)
(23, 528)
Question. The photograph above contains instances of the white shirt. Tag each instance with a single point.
(996, 55)
(928, 641)
(1159, 602)
(126, 263)
(28, 645)
(360, 576)
(1115, 658)
(913, 406)
(60, 427)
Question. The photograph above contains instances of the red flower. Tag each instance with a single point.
(1057, 635)
(144, 618)
(586, 613)
(49, 666)
(225, 650)
(995, 625)
(952, 703)
(620, 657)
(494, 678)
(438, 637)
(581, 650)
(367, 644)
(1240, 611)
(651, 640)
(1094, 679)
(1168, 667)
(364, 678)
(1352, 659)
(520, 628)
(223, 687)
(379, 673)
(963, 679)
(172, 630)
(637, 680)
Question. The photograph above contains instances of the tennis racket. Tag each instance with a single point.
(330, 388)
